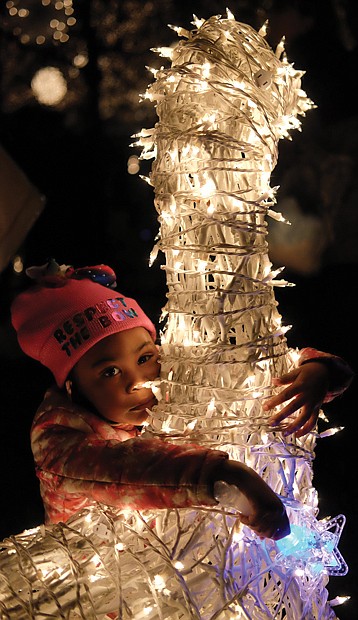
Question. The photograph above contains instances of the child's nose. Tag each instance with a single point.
(136, 381)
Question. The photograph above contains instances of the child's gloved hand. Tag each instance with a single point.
(263, 511)
(307, 387)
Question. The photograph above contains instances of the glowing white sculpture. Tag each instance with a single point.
(223, 105)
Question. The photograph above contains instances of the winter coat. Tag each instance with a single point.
(81, 458)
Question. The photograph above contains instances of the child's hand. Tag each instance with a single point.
(307, 387)
(267, 515)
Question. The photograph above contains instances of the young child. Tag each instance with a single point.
(86, 434)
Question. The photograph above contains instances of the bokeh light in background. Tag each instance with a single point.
(133, 164)
(41, 21)
(49, 86)
(17, 264)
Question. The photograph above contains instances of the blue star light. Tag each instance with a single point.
(311, 548)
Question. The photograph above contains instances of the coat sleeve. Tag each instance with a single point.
(137, 473)
(341, 374)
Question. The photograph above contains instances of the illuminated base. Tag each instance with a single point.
(187, 564)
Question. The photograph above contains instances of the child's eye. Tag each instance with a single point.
(145, 358)
(111, 372)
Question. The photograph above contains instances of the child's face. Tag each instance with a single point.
(110, 375)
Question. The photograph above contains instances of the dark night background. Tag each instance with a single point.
(76, 154)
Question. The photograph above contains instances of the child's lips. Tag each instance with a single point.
(148, 404)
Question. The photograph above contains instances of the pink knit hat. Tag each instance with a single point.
(68, 311)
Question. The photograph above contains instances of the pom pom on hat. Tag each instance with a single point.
(68, 311)
(53, 274)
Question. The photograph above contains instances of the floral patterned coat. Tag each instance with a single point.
(81, 459)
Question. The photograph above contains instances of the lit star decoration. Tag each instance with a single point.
(223, 105)
(310, 552)
(313, 548)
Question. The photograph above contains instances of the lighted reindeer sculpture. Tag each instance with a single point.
(223, 104)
